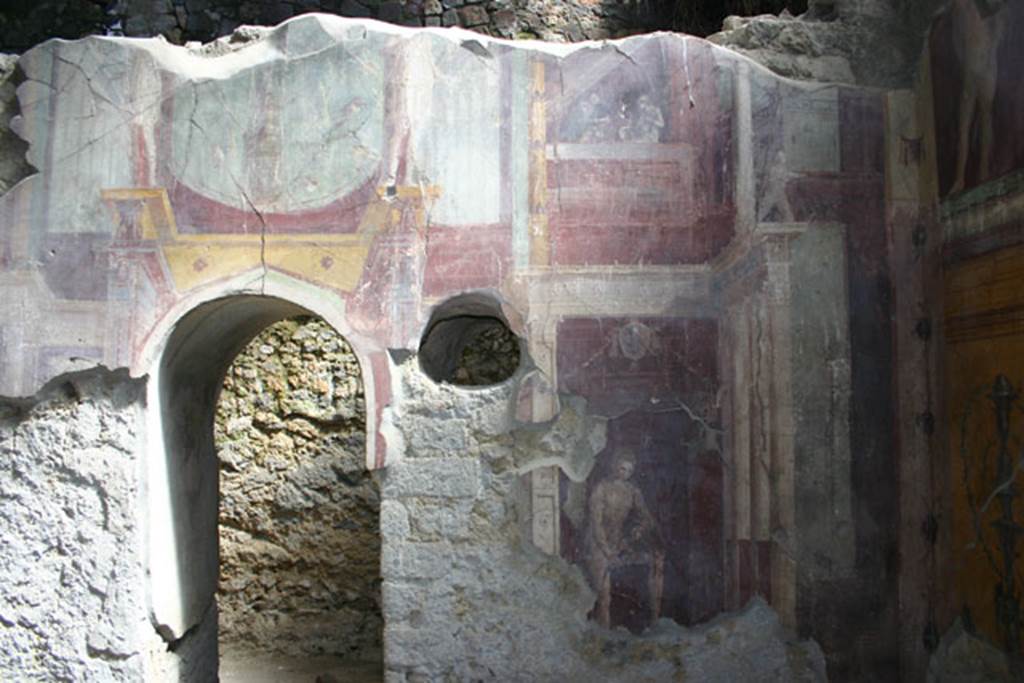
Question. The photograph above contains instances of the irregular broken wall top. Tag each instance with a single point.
(389, 169)
(868, 42)
(629, 207)
(204, 20)
(872, 41)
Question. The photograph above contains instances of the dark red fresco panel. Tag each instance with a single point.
(467, 257)
(684, 361)
(705, 536)
(644, 175)
(630, 212)
(630, 245)
(642, 394)
(196, 213)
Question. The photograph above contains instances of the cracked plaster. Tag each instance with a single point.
(604, 193)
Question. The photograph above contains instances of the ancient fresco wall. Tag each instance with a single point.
(698, 417)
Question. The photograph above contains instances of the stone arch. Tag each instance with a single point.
(186, 356)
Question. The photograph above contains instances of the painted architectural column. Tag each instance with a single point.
(754, 283)
(738, 446)
(746, 191)
(779, 426)
(540, 246)
(762, 437)
(545, 501)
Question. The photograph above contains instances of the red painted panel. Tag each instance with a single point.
(706, 571)
(648, 374)
(467, 257)
(681, 360)
(198, 214)
(640, 164)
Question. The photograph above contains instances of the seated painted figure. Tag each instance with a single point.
(621, 533)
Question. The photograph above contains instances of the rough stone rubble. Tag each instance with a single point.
(868, 42)
(71, 583)
(299, 538)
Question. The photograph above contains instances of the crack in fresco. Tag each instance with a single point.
(88, 82)
(686, 71)
(263, 233)
(241, 190)
(761, 375)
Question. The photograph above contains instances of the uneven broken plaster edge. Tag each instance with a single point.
(67, 386)
(616, 653)
(571, 440)
(261, 45)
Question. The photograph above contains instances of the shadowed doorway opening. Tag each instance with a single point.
(298, 593)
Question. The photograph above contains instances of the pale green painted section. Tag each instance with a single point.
(283, 135)
(519, 150)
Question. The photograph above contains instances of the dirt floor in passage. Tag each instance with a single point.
(240, 666)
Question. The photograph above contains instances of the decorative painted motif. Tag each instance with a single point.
(985, 323)
(647, 524)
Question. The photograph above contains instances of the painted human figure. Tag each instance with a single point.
(774, 204)
(622, 533)
(976, 38)
(643, 121)
(597, 119)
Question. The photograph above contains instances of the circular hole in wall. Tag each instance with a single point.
(469, 343)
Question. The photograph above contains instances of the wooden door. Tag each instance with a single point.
(984, 299)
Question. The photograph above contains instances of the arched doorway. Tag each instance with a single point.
(182, 479)
(299, 522)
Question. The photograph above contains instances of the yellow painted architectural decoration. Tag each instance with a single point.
(540, 245)
(336, 260)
